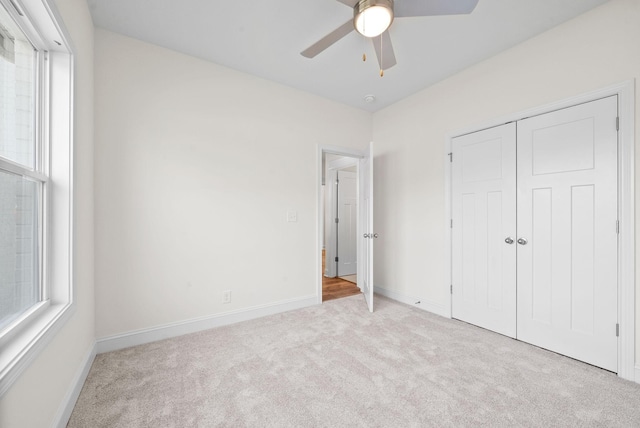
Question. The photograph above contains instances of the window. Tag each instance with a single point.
(21, 188)
(36, 293)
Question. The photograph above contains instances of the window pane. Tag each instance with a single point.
(19, 245)
(17, 93)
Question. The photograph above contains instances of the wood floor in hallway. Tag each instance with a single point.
(336, 288)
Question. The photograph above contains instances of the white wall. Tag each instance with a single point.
(592, 51)
(196, 166)
(39, 394)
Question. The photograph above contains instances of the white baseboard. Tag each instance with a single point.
(436, 308)
(68, 403)
(139, 337)
(637, 374)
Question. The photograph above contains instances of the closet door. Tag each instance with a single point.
(567, 238)
(484, 216)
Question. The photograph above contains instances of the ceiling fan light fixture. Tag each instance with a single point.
(372, 17)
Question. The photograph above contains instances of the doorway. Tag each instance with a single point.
(364, 234)
(340, 249)
(341, 217)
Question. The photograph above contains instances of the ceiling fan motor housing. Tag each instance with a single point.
(372, 17)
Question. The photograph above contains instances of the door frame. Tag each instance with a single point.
(320, 151)
(626, 209)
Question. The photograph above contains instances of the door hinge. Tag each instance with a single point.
(618, 123)
(617, 330)
(337, 220)
(451, 223)
(336, 260)
(451, 288)
(618, 226)
(450, 156)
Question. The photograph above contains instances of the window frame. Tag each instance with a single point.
(36, 173)
(25, 337)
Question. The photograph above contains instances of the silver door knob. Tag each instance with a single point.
(522, 241)
(509, 240)
(375, 235)
(366, 235)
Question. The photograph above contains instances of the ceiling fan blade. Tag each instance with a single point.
(384, 50)
(328, 40)
(403, 8)
(350, 3)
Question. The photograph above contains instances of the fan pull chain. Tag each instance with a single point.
(364, 44)
(381, 59)
(364, 40)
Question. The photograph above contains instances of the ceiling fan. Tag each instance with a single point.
(372, 19)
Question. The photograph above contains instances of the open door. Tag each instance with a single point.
(365, 226)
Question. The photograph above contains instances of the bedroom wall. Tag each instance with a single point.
(196, 167)
(40, 394)
(590, 52)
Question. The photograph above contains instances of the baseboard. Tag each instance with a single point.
(436, 308)
(69, 401)
(139, 337)
(637, 374)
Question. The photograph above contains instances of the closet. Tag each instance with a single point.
(534, 230)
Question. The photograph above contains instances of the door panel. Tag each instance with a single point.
(567, 212)
(563, 147)
(483, 206)
(542, 254)
(347, 222)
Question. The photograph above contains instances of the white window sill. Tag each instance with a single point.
(25, 344)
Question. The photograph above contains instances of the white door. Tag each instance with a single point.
(567, 212)
(366, 236)
(347, 223)
(484, 229)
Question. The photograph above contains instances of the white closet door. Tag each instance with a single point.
(484, 205)
(567, 212)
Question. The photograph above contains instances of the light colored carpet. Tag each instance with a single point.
(350, 278)
(336, 365)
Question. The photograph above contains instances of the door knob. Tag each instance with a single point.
(522, 241)
(366, 235)
(509, 240)
(375, 235)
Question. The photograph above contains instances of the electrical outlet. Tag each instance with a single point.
(292, 216)
(226, 296)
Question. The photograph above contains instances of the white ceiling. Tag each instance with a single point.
(265, 38)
